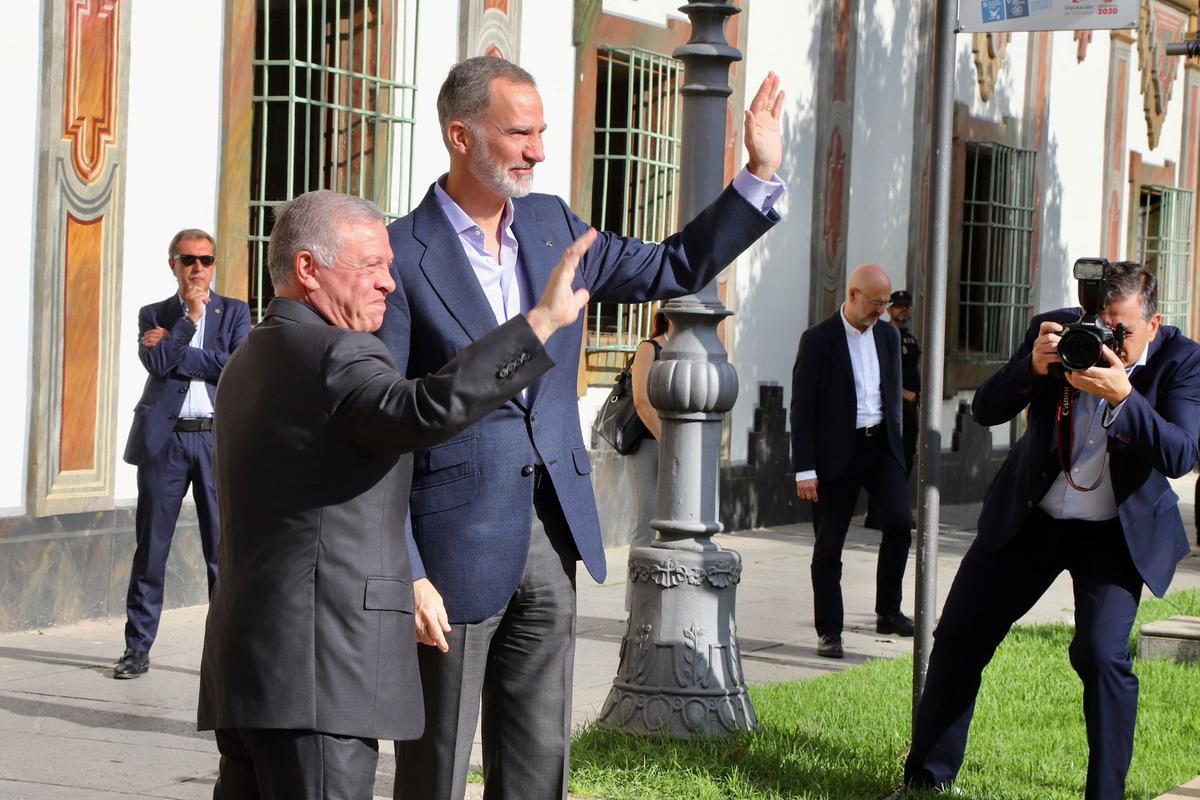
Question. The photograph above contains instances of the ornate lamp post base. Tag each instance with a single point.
(681, 670)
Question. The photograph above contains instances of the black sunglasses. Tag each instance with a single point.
(189, 260)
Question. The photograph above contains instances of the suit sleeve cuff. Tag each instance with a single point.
(759, 193)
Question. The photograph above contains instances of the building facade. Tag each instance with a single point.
(134, 119)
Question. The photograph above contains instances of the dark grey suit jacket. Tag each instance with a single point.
(310, 625)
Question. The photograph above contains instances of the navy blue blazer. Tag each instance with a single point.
(174, 364)
(471, 505)
(1153, 437)
(825, 404)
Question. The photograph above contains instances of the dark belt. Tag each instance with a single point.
(193, 424)
(868, 432)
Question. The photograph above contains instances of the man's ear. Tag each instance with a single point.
(459, 136)
(1155, 323)
(305, 269)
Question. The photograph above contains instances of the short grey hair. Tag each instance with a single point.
(188, 234)
(467, 90)
(313, 222)
(1124, 279)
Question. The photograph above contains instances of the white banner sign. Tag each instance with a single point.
(983, 16)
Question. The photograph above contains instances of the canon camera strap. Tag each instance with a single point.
(1065, 443)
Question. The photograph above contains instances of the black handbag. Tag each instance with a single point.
(617, 421)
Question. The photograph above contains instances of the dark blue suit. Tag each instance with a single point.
(824, 438)
(481, 512)
(1020, 550)
(168, 461)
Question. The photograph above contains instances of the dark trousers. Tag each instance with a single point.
(185, 458)
(992, 591)
(910, 431)
(519, 662)
(873, 468)
(259, 764)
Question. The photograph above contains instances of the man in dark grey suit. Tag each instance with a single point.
(310, 646)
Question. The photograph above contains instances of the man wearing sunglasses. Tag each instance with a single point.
(184, 342)
(846, 436)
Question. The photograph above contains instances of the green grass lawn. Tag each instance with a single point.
(844, 736)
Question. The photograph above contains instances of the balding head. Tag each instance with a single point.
(867, 295)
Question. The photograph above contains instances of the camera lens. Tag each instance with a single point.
(1079, 349)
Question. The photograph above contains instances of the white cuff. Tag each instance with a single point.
(759, 193)
(806, 475)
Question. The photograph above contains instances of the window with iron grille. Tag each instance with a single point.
(997, 247)
(1164, 247)
(334, 92)
(636, 173)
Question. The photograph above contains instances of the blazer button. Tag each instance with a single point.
(526, 470)
(183, 391)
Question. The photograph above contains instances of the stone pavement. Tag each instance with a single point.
(70, 731)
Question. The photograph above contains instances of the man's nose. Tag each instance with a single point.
(535, 152)
(385, 282)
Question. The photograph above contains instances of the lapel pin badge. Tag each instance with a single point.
(216, 311)
(549, 243)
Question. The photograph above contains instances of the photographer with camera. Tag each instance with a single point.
(1113, 403)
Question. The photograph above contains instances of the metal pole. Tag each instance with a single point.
(681, 672)
(934, 332)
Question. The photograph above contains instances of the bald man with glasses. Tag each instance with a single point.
(183, 342)
(846, 436)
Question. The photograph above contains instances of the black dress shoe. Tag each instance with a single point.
(894, 623)
(132, 665)
(830, 646)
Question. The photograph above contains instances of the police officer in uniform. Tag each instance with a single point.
(900, 313)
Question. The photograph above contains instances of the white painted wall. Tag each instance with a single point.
(655, 12)
(1073, 171)
(172, 169)
(772, 276)
(548, 54)
(437, 52)
(20, 56)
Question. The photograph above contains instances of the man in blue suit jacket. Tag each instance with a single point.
(183, 342)
(847, 436)
(1084, 490)
(501, 514)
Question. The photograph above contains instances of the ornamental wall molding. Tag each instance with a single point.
(1160, 24)
(990, 51)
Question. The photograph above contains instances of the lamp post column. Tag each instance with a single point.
(680, 670)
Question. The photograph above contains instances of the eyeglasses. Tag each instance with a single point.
(188, 260)
(881, 304)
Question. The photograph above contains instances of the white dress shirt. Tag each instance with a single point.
(196, 402)
(1090, 420)
(868, 388)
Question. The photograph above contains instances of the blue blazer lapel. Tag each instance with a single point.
(449, 273)
(214, 320)
(169, 312)
(539, 251)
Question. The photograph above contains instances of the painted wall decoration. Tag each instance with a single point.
(831, 187)
(490, 28)
(78, 265)
(1116, 112)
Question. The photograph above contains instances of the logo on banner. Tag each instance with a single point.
(1017, 8)
(993, 10)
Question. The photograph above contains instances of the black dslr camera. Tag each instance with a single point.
(1079, 347)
